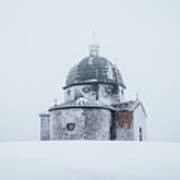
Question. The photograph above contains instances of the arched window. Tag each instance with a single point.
(140, 134)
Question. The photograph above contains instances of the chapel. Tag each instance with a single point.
(95, 107)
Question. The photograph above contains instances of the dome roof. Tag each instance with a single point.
(94, 69)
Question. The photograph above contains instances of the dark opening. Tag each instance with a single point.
(140, 134)
(112, 127)
(70, 126)
(69, 92)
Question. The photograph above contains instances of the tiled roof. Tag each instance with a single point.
(94, 69)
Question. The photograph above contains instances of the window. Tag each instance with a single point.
(70, 126)
(69, 92)
(140, 134)
(86, 89)
(122, 92)
(109, 89)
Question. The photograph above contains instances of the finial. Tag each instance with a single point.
(55, 102)
(94, 47)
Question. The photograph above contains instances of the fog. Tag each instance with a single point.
(40, 40)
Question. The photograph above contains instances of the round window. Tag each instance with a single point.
(86, 89)
(109, 89)
(70, 126)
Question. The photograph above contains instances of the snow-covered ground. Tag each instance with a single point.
(89, 161)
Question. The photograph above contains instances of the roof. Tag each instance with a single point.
(44, 114)
(94, 69)
(127, 105)
(81, 102)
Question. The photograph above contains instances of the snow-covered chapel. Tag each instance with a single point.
(94, 107)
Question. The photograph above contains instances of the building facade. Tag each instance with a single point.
(94, 107)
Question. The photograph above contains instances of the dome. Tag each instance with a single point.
(94, 69)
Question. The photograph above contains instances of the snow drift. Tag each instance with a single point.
(73, 160)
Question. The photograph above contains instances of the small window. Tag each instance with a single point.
(86, 89)
(122, 92)
(69, 92)
(140, 134)
(109, 89)
(70, 126)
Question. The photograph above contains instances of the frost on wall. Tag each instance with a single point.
(45, 127)
(108, 94)
(105, 93)
(85, 123)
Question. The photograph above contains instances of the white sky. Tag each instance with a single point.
(41, 40)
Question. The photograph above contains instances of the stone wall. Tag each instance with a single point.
(45, 127)
(80, 123)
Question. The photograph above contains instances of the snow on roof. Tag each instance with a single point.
(67, 160)
(81, 102)
(97, 69)
(127, 105)
(44, 113)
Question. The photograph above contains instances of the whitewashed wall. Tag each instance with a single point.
(139, 121)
